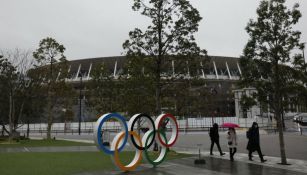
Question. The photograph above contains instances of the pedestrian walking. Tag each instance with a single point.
(232, 142)
(254, 142)
(215, 138)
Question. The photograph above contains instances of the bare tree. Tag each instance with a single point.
(15, 65)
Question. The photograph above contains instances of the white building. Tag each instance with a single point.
(254, 111)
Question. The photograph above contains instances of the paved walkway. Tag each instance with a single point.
(213, 166)
(296, 145)
(272, 162)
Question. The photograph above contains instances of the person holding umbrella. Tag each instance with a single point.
(254, 142)
(215, 138)
(232, 138)
(232, 142)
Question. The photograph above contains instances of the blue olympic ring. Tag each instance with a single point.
(99, 134)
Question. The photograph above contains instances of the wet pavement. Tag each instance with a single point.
(213, 166)
(296, 145)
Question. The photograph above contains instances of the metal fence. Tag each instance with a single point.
(189, 124)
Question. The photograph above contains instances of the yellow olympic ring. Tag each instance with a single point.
(138, 153)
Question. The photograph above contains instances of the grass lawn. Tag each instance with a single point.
(61, 163)
(40, 143)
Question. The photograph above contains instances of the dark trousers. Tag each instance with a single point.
(217, 142)
(232, 152)
(259, 153)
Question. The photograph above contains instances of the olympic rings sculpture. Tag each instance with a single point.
(156, 132)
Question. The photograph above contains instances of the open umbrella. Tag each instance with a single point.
(230, 125)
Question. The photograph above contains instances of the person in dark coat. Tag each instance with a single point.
(254, 142)
(215, 138)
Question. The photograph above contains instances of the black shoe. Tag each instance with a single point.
(222, 154)
(211, 154)
(262, 161)
(250, 159)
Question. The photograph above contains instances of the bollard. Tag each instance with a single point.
(199, 161)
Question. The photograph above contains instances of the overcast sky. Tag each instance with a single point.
(97, 28)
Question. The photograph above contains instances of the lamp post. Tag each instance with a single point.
(64, 113)
(80, 104)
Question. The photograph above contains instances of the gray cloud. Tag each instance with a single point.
(94, 28)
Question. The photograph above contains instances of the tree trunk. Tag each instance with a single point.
(278, 115)
(11, 120)
(19, 115)
(280, 131)
(50, 117)
(49, 124)
(2, 132)
(159, 61)
(158, 98)
(28, 128)
(282, 142)
(49, 105)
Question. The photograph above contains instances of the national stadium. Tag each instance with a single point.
(221, 76)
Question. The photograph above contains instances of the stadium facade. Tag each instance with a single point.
(221, 76)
